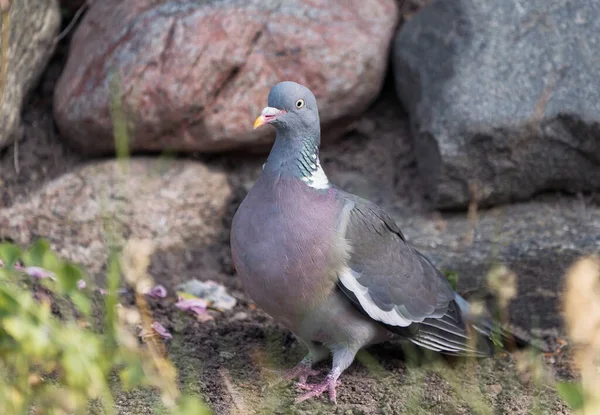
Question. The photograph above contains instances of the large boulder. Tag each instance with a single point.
(32, 28)
(504, 95)
(537, 240)
(192, 76)
(174, 203)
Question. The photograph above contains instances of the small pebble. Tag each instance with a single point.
(239, 316)
(494, 389)
(226, 355)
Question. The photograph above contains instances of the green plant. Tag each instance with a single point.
(56, 355)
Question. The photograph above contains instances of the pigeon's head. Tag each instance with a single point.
(292, 107)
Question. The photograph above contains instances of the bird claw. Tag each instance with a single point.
(304, 386)
(329, 385)
(301, 372)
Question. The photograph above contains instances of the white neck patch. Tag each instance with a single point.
(318, 178)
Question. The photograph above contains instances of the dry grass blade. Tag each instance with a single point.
(5, 35)
(472, 215)
(135, 262)
(544, 98)
(72, 23)
(237, 399)
(581, 310)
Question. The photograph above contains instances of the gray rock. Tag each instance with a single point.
(33, 25)
(172, 203)
(504, 94)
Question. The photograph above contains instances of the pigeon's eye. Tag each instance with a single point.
(299, 103)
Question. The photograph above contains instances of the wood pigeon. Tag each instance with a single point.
(335, 268)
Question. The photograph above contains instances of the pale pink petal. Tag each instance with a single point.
(158, 291)
(195, 305)
(39, 273)
(157, 327)
(102, 291)
(203, 318)
(81, 284)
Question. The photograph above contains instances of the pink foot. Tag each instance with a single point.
(329, 385)
(301, 372)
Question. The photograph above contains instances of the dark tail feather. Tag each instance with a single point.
(459, 332)
(437, 337)
(479, 340)
(498, 336)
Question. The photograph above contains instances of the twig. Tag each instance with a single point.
(542, 102)
(16, 156)
(72, 23)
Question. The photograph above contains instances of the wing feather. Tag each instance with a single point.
(392, 283)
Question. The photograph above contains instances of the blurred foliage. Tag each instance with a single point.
(581, 312)
(452, 277)
(571, 393)
(56, 354)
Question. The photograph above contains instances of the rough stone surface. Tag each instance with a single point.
(537, 240)
(192, 76)
(504, 94)
(33, 25)
(172, 203)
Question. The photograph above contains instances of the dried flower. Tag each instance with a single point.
(39, 273)
(195, 305)
(157, 291)
(158, 329)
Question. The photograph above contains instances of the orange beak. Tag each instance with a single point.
(260, 120)
(267, 115)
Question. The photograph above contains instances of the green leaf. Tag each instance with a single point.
(452, 277)
(9, 303)
(9, 254)
(82, 302)
(191, 405)
(571, 393)
(51, 262)
(36, 253)
(132, 375)
(496, 337)
(68, 277)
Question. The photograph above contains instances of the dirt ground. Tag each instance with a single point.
(234, 361)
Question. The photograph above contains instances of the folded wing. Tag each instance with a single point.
(394, 284)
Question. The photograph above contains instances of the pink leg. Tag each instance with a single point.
(301, 371)
(329, 384)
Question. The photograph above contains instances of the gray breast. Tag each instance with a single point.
(284, 241)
